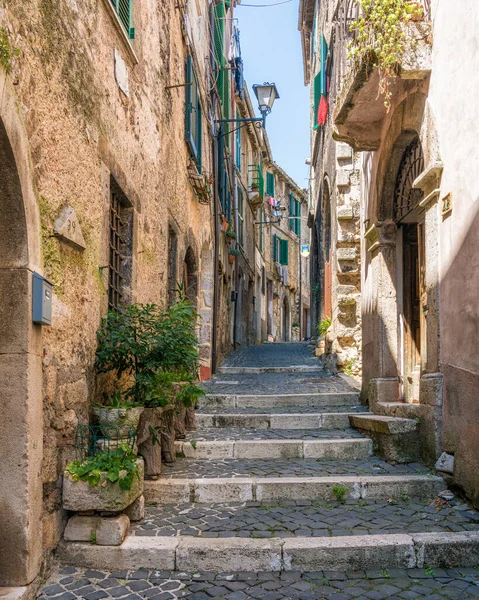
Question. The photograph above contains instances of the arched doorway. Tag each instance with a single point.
(285, 320)
(409, 218)
(21, 425)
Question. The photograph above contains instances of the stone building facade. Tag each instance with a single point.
(418, 223)
(110, 189)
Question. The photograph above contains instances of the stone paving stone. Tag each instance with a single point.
(400, 585)
(299, 519)
(307, 467)
(215, 434)
(272, 355)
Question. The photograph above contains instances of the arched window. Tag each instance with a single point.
(407, 197)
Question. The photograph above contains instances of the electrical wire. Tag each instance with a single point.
(264, 5)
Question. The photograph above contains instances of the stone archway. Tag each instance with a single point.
(21, 425)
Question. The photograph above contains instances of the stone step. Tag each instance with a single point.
(272, 448)
(259, 370)
(305, 518)
(383, 424)
(299, 420)
(279, 400)
(304, 554)
(276, 489)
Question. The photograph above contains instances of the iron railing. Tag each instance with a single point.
(345, 14)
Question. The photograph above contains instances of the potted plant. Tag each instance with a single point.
(107, 481)
(224, 225)
(117, 416)
(232, 254)
(230, 232)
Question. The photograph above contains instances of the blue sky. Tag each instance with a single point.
(271, 50)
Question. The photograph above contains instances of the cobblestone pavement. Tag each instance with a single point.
(272, 355)
(292, 467)
(392, 584)
(215, 434)
(275, 383)
(305, 518)
(278, 410)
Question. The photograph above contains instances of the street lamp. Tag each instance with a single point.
(266, 95)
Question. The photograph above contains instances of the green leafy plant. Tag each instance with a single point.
(405, 496)
(116, 400)
(234, 252)
(119, 465)
(140, 341)
(340, 492)
(430, 572)
(324, 325)
(381, 37)
(385, 573)
(93, 537)
(350, 366)
(7, 51)
(295, 324)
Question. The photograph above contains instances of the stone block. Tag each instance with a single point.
(392, 486)
(343, 151)
(343, 553)
(346, 253)
(296, 421)
(217, 400)
(383, 424)
(445, 463)
(167, 491)
(335, 420)
(344, 213)
(269, 449)
(339, 449)
(274, 489)
(81, 529)
(112, 531)
(205, 450)
(342, 178)
(144, 551)
(136, 510)
(220, 490)
(447, 550)
(80, 496)
(228, 554)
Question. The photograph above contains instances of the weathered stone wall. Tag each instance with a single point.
(82, 130)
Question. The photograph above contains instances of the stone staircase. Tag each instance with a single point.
(276, 479)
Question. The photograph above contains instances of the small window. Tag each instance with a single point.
(121, 244)
(124, 10)
(263, 280)
(270, 184)
(193, 114)
(294, 215)
(283, 252)
(240, 217)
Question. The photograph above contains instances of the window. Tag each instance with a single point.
(270, 184)
(240, 217)
(124, 10)
(260, 229)
(280, 250)
(121, 244)
(263, 280)
(294, 213)
(193, 114)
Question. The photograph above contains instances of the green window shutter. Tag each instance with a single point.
(193, 125)
(275, 248)
(124, 10)
(317, 97)
(298, 221)
(270, 184)
(238, 146)
(324, 58)
(283, 259)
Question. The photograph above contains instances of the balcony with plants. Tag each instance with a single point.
(256, 185)
(382, 45)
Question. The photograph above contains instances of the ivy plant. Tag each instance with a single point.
(324, 325)
(119, 465)
(381, 37)
(7, 51)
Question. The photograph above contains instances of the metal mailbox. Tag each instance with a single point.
(42, 300)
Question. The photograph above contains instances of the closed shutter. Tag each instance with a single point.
(193, 119)
(124, 10)
(238, 146)
(275, 248)
(283, 259)
(270, 184)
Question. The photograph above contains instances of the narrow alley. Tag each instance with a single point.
(275, 495)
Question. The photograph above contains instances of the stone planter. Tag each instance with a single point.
(117, 422)
(106, 496)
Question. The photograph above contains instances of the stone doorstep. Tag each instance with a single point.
(273, 421)
(14, 593)
(383, 424)
(346, 448)
(276, 400)
(258, 370)
(341, 553)
(265, 489)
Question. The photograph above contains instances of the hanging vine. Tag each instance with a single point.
(7, 52)
(380, 37)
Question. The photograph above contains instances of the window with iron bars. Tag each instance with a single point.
(120, 251)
